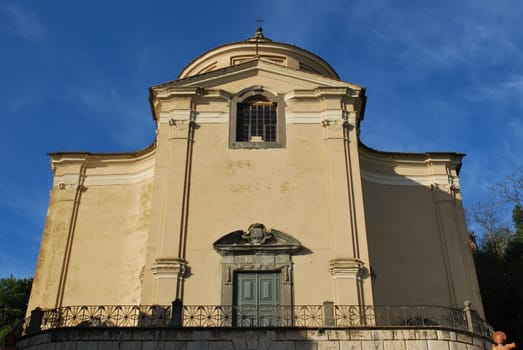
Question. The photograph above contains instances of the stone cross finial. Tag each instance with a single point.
(258, 36)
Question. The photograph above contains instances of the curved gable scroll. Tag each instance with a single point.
(257, 239)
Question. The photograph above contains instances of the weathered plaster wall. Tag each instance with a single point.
(413, 255)
(286, 189)
(93, 246)
(108, 251)
(205, 189)
(406, 249)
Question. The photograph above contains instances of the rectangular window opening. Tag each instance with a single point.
(256, 122)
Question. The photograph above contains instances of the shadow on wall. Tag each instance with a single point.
(266, 339)
(419, 246)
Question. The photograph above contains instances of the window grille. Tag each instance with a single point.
(256, 122)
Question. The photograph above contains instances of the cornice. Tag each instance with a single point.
(103, 168)
(166, 92)
(430, 169)
(81, 155)
(253, 66)
(455, 156)
(116, 178)
(257, 49)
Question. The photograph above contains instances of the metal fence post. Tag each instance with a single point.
(177, 314)
(468, 315)
(35, 323)
(329, 319)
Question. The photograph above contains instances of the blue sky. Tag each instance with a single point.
(440, 76)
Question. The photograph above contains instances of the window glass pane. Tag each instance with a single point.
(256, 121)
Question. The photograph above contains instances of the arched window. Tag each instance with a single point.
(257, 120)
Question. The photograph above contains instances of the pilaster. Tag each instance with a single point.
(348, 275)
(60, 229)
(165, 262)
(340, 121)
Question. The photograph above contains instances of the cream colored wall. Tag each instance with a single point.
(306, 189)
(93, 246)
(284, 189)
(108, 251)
(50, 258)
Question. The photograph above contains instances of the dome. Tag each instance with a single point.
(259, 47)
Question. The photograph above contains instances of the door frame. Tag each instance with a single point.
(233, 264)
(257, 249)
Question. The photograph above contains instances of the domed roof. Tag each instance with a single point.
(262, 48)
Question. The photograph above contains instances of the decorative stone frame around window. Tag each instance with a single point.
(246, 96)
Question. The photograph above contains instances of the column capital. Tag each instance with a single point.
(346, 268)
(169, 268)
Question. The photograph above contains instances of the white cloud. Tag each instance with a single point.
(431, 36)
(514, 84)
(504, 91)
(23, 23)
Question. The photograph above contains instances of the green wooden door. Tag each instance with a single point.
(257, 299)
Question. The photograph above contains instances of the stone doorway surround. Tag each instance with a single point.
(257, 249)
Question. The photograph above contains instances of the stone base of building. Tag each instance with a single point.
(266, 339)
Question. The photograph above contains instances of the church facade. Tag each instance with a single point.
(256, 191)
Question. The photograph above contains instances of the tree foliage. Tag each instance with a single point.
(14, 295)
(499, 258)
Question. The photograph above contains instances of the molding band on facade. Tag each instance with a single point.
(410, 180)
(169, 268)
(345, 268)
(109, 179)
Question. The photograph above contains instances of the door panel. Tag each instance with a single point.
(248, 290)
(269, 288)
(257, 299)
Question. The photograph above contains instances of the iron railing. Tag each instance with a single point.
(327, 315)
(304, 316)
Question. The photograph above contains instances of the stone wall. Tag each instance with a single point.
(266, 339)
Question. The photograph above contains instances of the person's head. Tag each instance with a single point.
(499, 337)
